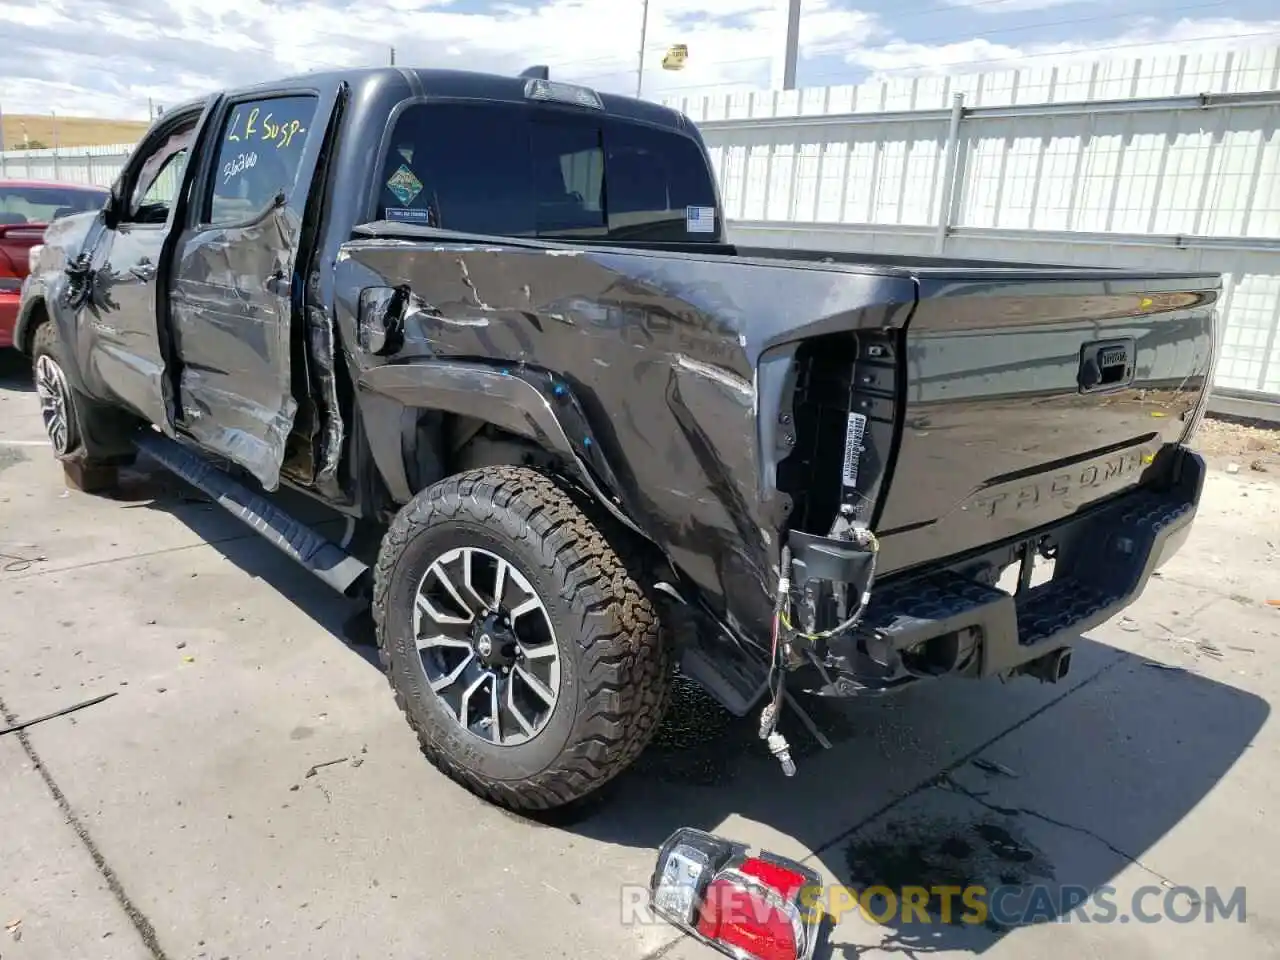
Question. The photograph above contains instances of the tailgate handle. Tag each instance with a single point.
(1106, 365)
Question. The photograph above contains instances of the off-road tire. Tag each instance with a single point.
(98, 434)
(615, 659)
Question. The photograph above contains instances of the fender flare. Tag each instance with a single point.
(22, 330)
(525, 401)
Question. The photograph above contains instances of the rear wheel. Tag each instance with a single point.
(85, 435)
(522, 651)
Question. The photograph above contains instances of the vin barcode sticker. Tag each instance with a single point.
(700, 219)
(853, 433)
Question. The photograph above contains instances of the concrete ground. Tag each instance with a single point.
(181, 819)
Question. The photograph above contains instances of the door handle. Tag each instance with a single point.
(1106, 365)
(279, 285)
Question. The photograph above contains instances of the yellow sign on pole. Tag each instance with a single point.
(675, 57)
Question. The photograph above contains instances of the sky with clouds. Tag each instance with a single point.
(107, 57)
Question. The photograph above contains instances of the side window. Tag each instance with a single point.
(259, 148)
(158, 179)
(163, 188)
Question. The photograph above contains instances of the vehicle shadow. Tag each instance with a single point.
(1024, 787)
(1045, 793)
(15, 371)
(149, 486)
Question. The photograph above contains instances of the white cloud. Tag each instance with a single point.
(1147, 39)
(996, 7)
(106, 57)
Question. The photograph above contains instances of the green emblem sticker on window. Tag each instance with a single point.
(404, 185)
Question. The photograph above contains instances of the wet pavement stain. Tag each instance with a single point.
(699, 743)
(930, 855)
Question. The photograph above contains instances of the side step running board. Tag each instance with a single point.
(322, 557)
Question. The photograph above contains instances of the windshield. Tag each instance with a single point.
(19, 204)
(510, 170)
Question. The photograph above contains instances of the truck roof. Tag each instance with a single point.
(455, 84)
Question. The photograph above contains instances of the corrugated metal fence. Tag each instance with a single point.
(98, 165)
(1166, 163)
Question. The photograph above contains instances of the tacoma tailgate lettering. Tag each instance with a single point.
(1095, 477)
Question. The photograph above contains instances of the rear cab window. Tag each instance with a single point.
(506, 169)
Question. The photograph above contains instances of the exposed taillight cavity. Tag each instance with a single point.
(751, 907)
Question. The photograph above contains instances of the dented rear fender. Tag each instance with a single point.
(641, 369)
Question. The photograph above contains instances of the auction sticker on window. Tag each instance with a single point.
(408, 215)
(404, 185)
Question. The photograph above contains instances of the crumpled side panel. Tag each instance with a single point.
(321, 340)
(231, 322)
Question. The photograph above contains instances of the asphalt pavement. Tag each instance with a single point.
(248, 788)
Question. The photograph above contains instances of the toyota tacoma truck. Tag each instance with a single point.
(497, 320)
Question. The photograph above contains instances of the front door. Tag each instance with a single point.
(117, 320)
(236, 293)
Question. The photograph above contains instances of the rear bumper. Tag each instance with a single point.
(953, 620)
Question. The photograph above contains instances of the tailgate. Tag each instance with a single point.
(1032, 394)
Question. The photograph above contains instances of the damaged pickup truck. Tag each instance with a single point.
(497, 319)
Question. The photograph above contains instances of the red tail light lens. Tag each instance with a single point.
(749, 907)
(751, 919)
(773, 874)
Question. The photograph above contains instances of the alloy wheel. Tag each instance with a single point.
(487, 645)
(55, 403)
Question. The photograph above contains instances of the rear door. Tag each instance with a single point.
(235, 295)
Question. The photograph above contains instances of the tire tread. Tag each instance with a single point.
(626, 662)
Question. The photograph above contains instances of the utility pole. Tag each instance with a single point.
(57, 171)
(644, 30)
(791, 50)
(393, 56)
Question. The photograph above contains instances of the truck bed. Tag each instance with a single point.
(999, 399)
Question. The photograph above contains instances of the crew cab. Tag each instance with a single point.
(500, 319)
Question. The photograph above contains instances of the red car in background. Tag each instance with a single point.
(26, 208)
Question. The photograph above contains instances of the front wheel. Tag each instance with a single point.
(85, 435)
(521, 649)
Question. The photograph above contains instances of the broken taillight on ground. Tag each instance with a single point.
(749, 906)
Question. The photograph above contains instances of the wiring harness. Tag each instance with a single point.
(783, 632)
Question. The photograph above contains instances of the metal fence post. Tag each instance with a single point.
(951, 173)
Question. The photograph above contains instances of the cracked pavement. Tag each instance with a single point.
(177, 819)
